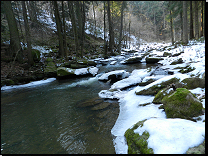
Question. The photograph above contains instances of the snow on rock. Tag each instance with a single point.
(121, 73)
(172, 136)
(135, 78)
(84, 71)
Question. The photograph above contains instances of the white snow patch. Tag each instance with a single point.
(172, 136)
(123, 73)
(28, 85)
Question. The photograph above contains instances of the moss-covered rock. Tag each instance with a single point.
(198, 149)
(177, 61)
(177, 54)
(186, 69)
(146, 83)
(62, 71)
(49, 59)
(161, 94)
(137, 144)
(156, 88)
(131, 60)
(153, 59)
(50, 69)
(182, 104)
(35, 55)
(194, 82)
(77, 66)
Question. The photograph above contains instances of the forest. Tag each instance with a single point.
(103, 77)
(79, 28)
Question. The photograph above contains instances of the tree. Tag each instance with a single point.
(111, 33)
(121, 28)
(14, 35)
(191, 22)
(72, 16)
(27, 31)
(196, 20)
(185, 31)
(105, 43)
(64, 30)
(59, 29)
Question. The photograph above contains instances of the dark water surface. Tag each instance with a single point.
(45, 119)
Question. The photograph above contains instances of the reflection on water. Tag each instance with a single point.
(46, 120)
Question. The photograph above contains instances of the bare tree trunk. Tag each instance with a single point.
(185, 31)
(95, 33)
(28, 39)
(121, 28)
(196, 21)
(202, 14)
(64, 30)
(72, 15)
(14, 35)
(181, 19)
(110, 29)
(59, 29)
(171, 27)
(191, 22)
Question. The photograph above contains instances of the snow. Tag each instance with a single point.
(123, 73)
(172, 136)
(135, 78)
(28, 85)
(83, 71)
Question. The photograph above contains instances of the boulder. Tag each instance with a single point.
(179, 61)
(131, 60)
(63, 72)
(114, 75)
(137, 144)
(50, 69)
(165, 54)
(182, 104)
(153, 59)
(197, 149)
(194, 82)
(161, 94)
(156, 88)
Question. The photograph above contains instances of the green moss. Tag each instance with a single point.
(49, 59)
(61, 71)
(36, 55)
(186, 69)
(181, 104)
(156, 88)
(137, 144)
(192, 83)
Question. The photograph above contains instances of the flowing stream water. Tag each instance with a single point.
(45, 119)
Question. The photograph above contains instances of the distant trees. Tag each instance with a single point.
(185, 25)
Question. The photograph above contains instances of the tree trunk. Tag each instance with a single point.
(14, 35)
(121, 28)
(185, 31)
(59, 29)
(202, 14)
(110, 29)
(83, 25)
(105, 43)
(28, 39)
(64, 30)
(196, 21)
(72, 15)
(171, 27)
(181, 18)
(95, 33)
(191, 22)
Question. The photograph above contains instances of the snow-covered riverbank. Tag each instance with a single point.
(166, 135)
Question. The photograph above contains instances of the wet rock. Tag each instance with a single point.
(165, 54)
(153, 59)
(182, 104)
(194, 82)
(100, 106)
(103, 113)
(90, 102)
(131, 60)
(146, 83)
(114, 75)
(137, 144)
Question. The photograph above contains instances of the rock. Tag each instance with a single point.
(177, 62)
(153, 59)
(100, 106)
(103, 113)
(90, 102)
(177, 54)
(186, 69)
(159, 71)
(7, 82)
(35, 55)
(63, 72)
(50, 69)
(165, 54)
(182, 104)
(114, 75)
(77, 66)
(137, 144)
(146, 83)
(194, 82)
(198, 149)
(156, 88)
(131, 60)
(161, 94)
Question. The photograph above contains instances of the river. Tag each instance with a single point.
(45, 119)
